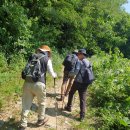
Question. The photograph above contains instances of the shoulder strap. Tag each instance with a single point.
(41, 57)
(86, 64)
(80, 72)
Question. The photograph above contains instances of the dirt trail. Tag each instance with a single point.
(10, 115)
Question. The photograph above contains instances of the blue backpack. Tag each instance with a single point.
(87, 75)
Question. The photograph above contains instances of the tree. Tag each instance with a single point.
(14, 28)
(94, 25)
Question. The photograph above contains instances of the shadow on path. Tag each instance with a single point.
(9, 125)
(59, 112)
(52, 95)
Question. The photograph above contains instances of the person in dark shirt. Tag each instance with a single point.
(79, 86)
(69, 75)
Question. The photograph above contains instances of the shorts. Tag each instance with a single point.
(66, 76)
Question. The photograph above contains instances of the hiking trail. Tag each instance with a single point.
(10, 114)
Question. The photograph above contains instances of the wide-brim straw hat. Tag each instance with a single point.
(44, 48)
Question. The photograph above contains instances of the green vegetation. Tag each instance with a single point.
(110, 94)
(99, 26)
(95, 25)
(10, 78)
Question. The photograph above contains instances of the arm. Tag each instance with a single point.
(87, 63)
(50, 69)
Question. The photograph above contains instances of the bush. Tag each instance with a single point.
(10, 77)
(110, 93)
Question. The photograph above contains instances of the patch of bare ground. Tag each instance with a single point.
(58, 118)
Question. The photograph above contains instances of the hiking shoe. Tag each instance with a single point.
(22, 128)
(60, 99)
(81, 119)
(42, 122)
(67, 109)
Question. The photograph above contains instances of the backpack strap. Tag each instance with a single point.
(80, 71)
(43, 55)
(86, 64)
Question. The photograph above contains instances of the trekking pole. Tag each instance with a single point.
(56, 104)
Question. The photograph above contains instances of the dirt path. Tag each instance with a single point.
(10, 115)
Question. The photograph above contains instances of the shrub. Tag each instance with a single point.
(110, 93)
(10, 77)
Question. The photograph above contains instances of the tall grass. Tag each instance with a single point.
(10, 77)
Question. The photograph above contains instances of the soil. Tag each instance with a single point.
(58, 118)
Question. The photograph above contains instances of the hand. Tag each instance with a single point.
(66, 94)
(55, 75)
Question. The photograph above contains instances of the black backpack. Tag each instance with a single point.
(70, 61)
(33, 68)
(87, 75)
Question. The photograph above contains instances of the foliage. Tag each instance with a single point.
(110, 92)
(99, 26)
(14, 29)
(65, 24)
(10, 77)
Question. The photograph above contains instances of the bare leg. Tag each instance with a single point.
(63, 89)
(71, 80)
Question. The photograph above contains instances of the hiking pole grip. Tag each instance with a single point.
(54, 82)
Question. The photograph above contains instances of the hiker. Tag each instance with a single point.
(35, 84)
(71, 67)
(80, 85)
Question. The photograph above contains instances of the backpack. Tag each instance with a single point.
(69, 62)
(33, 68)
(88, 75)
